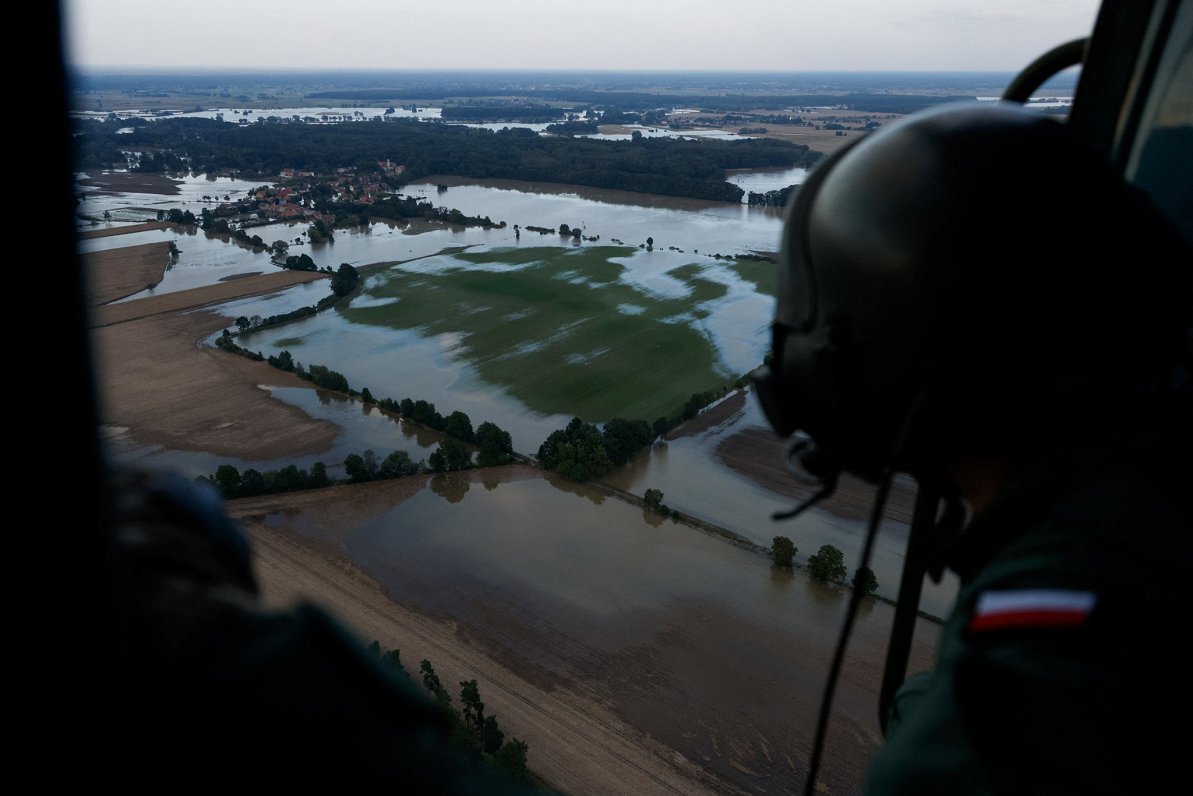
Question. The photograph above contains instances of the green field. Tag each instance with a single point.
(764, 275)
(556, 328)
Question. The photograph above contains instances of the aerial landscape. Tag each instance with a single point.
(467, 352)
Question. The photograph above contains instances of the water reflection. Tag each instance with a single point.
(451, 487)
(655, 620)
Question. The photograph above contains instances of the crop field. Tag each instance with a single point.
(565, 330)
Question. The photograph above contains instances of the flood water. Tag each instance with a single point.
(654, 619)
(406, 363)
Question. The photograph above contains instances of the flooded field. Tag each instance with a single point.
(658, 621)
(527, 330)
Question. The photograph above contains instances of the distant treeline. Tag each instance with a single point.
(429, 83)
(502, 113)
(643, 101)
(670, 166)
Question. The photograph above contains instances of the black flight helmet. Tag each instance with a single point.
(963, 281)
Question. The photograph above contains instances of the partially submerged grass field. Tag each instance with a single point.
(560, 329)
(764, 275)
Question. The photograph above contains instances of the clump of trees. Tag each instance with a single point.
(367, 467)
(777, 198)
(582, 451)
(177, 216)
(320, 232)
(345, 280)
(652, 500)
(783, 551)
(827, 564)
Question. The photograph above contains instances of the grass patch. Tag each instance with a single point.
(551, 331)
(764, 275)
(702, 289)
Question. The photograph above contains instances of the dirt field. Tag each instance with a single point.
(122, 230)
(822, 140)
(160, 387)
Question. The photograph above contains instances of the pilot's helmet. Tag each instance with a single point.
(964, 281)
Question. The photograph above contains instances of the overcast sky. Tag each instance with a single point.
(982, 35)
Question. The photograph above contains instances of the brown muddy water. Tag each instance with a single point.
(703, 645)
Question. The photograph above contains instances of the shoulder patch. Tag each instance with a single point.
(1022, 608)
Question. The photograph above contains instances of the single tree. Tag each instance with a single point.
(345, 280)
(397, 464)
(393, 658)
(828, 564)
(473, 709)
(511, 758)
(459, 425)
(431, 683)
(491, 735)
(227, 480)
(865, 580)
(782, 551)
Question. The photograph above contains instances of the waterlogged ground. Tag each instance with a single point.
(595, 331)
(705, 646)
(701, 644)
(528, 330)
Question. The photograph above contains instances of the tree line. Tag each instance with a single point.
(474, 733)
(663, 165)
(492, 445)
(642, 101)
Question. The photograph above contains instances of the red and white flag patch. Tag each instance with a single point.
(1020, 608)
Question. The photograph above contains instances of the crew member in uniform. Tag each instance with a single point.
(971, 296)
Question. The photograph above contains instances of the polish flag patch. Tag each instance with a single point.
(1021, 608)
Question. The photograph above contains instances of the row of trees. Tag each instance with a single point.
(451, 454)
(476, 734)
(827, 564)
(400, 208)
(495, 446)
